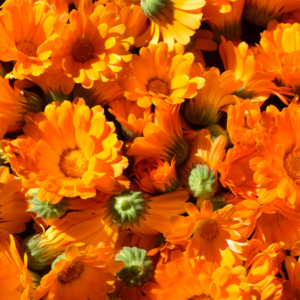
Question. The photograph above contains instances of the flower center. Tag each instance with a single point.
(73, 163)
(82, 51)
(208, 229)
(292, 165)
(158, 86)
(201, 297)
(72, 273)
(269, 219)
(27, 48)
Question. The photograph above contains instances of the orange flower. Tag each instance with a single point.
(277, 170)
(196, 279)
(158, 76)
(74, 152)
(156, 176)
(16, 281)
(260, 12)
(170, 21)
(133, 118)
(269, 222)
(227, 21)
(93, 46)
(198, 173)
(163, 139)
(28, 48)
(212, 235)
(257, 85)
(12, 203)
(92, 271)
(241, 120)
(204, 108)
(14, 104)
(278, 59)
(224, 6)
(4, 125)
(236, 173)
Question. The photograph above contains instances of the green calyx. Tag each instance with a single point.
(57, 259)
(203, 182)
(191, 44)
(39, 257)
(127, 208)
(216, 130)
(179, 148)
(31, 101)
(243, 93)
(156, 8)
(129, 134)
(35, 279)
(138, 269)
(57, 95)
(47, 210)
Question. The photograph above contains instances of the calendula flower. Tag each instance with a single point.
(93, 46)
(158, 75)
(170, 21)
(82, 224)
(71, 155)
(4, 125)
(16, 281)
(235, 171)
(29, 47)
(92, 271)
(217, 130)
(212, 235)
(241, 120)
(204, 108)
(156, 176)
(260, 12)
(100, 94)
(225, 23)
(257, 84)
(197, 279)
(269, 222)
(14, 104)
(276, 58)
(145, 214)
(163, 139)
(132, 118)
(277, 172)
(199, 171)
(12, 203)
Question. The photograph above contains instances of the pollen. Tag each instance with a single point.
(82, 51)
(73, 163)
(292, 165)
(208, 229)
(27, 48)
(71, 273)
(158, 86)
(268, 220)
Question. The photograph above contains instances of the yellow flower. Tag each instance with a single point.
(159, 76)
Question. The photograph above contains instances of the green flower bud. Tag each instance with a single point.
(138, 269)
(127, 208)
(203, 182)
(156, 8)
(47, 210)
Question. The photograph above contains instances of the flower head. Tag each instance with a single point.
(93, 271)
(156, 176)
(160, 76)
(212, 235)
(93, 46)
(71, 155)
(28, 48)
